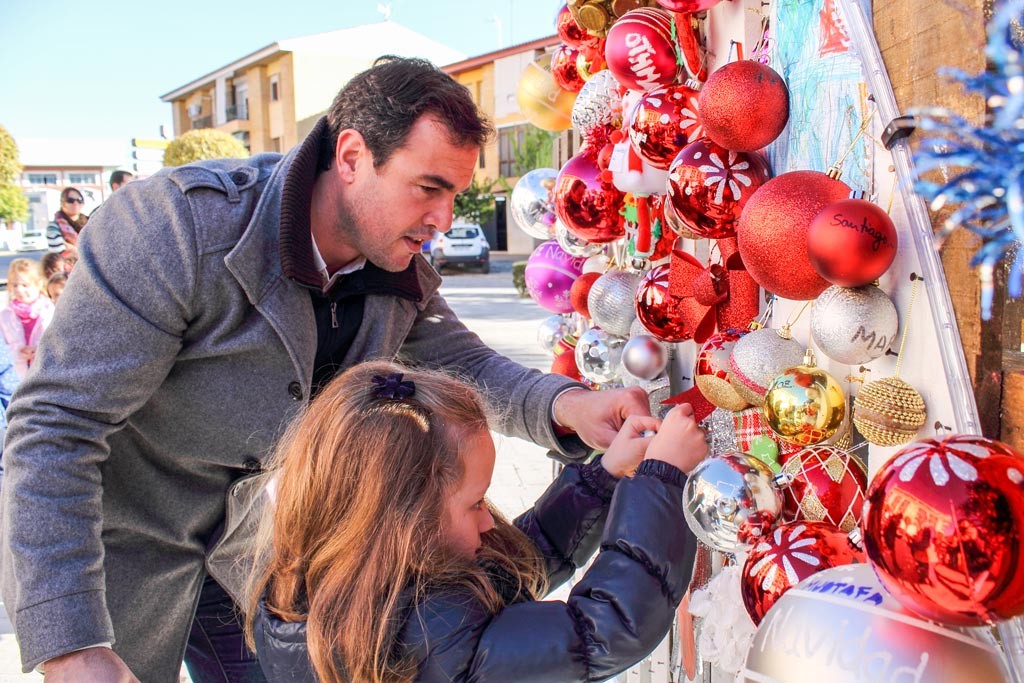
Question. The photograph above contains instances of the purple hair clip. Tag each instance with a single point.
(392, 387)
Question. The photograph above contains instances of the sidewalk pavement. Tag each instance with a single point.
(490, 306)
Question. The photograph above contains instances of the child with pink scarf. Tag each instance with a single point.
(28, 313)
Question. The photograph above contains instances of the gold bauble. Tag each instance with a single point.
(541, 101)
(805, 405)
(597, 16)
(888, 412)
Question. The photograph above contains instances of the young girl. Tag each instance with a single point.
(55, 286)
(384, 561)
(27, 314)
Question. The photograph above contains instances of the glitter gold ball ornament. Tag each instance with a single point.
(610, 301)
(711, 371)
(772, 232)
(599, 355)
(889, 412)
(823, 483)
(805, 405)
(541, 101)
(758, 358)
(644, 357)
(853, 325)
(747, 105)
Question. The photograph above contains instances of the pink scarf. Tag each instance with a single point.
(28, 314)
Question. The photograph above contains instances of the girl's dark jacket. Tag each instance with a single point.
(615, 615)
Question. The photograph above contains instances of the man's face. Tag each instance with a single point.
(387, 213)
(114, 187)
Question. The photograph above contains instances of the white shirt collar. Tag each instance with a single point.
(321, 265)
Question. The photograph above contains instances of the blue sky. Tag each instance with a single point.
(91, 69)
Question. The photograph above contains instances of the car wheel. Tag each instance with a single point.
(485, 267)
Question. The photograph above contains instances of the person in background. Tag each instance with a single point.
(55, 285)
(51, 263)
(27, 314)
(118, 179)
(68, 222)
(386, 563)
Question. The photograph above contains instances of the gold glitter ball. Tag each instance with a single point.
(888, 412)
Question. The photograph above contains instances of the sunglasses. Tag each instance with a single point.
(74, 200)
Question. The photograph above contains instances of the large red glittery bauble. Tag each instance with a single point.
(944, 529)
(688, 6)
(772, 232)
(579, 292)
(564, 362)
(788, 555)
(744, 105)
(663, 122)
(655, 309)
(711, 371)
(852, 242)
(708, 187)
(639, 49)
(569, 31)
(826, 484)
(588, 206)
(564, 70)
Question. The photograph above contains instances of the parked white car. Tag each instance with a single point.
(464, 244)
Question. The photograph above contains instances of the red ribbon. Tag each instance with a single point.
(706, 297)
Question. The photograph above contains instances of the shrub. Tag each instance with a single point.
(205, 143)
(519, 278)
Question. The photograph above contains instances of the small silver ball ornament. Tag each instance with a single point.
(599, 355)
(644, 357)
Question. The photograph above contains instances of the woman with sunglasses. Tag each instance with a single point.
(68, 221)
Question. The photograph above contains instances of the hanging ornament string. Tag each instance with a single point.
(836, 169)
(791, 320)
(906, 325)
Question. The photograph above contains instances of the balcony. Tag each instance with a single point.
(202, 122)
(234, 113)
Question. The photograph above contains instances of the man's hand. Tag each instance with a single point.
(91, 665)
(597, 416)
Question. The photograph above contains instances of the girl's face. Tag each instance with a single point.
(72, 204)
(468, 515)
(23, 287)
(55, 290)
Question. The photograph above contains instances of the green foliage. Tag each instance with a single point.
(10, 167)
(519, 278)
(534, 149)
(13, 203)
(204, 143)
(476, 204)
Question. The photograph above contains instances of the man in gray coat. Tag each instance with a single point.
(209, 304)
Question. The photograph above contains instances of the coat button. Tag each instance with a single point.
(295, 391)
(252, 466)
(239, 177)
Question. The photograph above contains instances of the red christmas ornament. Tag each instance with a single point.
(639, 49)
(772, 232)
(655, 309)
(663, 122)
(569, 31)
(744, 106)
(708, 187)
(580, 290)
(688, 6)
(826, 484)
(564, 362)
(564, 70)
(852, 242)
(790, 554)
(587, 206)
(944, 529)
(665, 237)
(711, 371)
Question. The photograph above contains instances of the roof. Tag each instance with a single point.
(58, 153)
(480, 60)
(371, 40)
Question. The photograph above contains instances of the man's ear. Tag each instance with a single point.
(349, 152)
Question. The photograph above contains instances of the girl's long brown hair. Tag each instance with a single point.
(357, 527)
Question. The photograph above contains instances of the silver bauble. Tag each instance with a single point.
(598, 263)
(599, 355)
(533, 205)
(757, 359)
(597, 104)
(658, 390)
(853, 325)
(721, 494)
(644, 357)
(610, 301)
(841, 626)
(552, 330)
(573, 245)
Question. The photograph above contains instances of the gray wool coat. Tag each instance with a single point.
(177, 353)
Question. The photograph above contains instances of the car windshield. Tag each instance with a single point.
(462, 233)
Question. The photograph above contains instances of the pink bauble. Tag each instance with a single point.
(640, 51)
(688, 6)
(744, 105)
(549, 275)
(663, 122)
(588, 206)
(708, 186)
(772, 232)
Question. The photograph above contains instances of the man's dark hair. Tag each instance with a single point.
(383, 102)
(119, 178)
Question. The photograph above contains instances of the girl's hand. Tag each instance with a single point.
(629, 445)
(680, 441)
(28, 353)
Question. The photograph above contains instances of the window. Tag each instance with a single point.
(275, 144)
(509, 139)
(42, 178)
(82, 179)
(275, 94)
(463, 233)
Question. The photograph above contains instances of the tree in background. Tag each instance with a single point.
(476, 203)
(534, 149)
(205, 143)
(13, 202)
